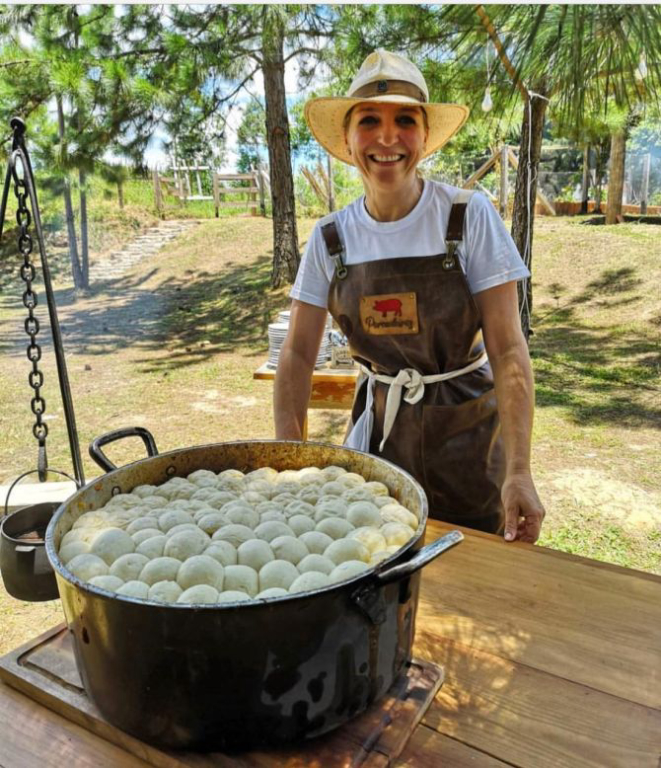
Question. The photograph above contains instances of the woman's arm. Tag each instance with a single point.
(293, 378)
(508, 355)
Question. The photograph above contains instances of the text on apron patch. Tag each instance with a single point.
(389, 313)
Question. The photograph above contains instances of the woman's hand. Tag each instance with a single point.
(523, 509)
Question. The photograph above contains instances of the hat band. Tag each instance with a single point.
(390, 87)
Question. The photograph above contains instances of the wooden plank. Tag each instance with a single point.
(338, 375)
(429, 749)
(504, 188)
(546, 203)
(45, 669)
(535, 720)
(235, 203)
(332, 394)
(549, 611)
(480, 171)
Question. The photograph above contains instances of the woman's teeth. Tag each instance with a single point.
(386, 158)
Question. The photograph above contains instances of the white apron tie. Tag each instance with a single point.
(407, 379)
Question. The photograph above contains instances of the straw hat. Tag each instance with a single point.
(382, 77)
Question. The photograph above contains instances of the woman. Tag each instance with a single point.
(421, 277)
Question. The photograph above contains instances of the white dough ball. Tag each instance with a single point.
(145, 533)
(111, 583)
(233, 596)
(200, 593)
(300, 524)
(310, 494)
(382, 501)
(203, 478)
(223, 552)
(263, 487)
(358, 493)
(282, 499)
(165, 591)
(347, 570)
(123, 500)
(271, 530)
(234, 533)
(253, 498)
(377, 488)
(347, 549)
(332, 488)
(287, 476)
(173, 517)
(263, 473)
(192, 506)
(329, 506)
(272, 592)
(395, 513)
(142, 491)
(273, 515)
(309, 475)
(186, 544)
(255, 553)
(316, 541)
(75, 535)
(286, 486)
(332, 472)
(316, 563)
(351, 480)
(289, 548)
(142, 524)
(397, 533)
(370, 537)
(134, 589)
(122, 518)
(379, 557)
(214, 497)
(160, 569)
(277, 573)
(200, 569)
(154, 502)
(86, 567)
(211, 522)
(335, 527)
(299, 507)
(91, 520)
(73, 548)
(232, 484)
(129, 567)
(392, 548)
(181, 528)
(184, 491)
(234, 474)
(362, 513)
(269, 506)
(243, 579)
(152, 547)
(240, 513)
(306, 582)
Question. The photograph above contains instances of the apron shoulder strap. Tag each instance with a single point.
(455, 230)
(334, 245)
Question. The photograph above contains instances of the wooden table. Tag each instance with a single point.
(551, 661)
(331, 387)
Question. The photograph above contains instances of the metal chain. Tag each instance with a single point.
(35, 377)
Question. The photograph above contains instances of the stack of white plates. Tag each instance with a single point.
(278, 333)
(283, 317)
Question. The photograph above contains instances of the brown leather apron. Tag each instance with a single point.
(449, 440)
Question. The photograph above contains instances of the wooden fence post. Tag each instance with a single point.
(260, 184)
(585, 184)
(216, 193)
(645, 184)
(158, 198)
(504, 189)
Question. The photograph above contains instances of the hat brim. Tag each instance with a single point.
(325, 117)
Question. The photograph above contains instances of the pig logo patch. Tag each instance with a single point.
(390, 313)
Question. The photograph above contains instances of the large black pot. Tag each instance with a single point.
(244, 674)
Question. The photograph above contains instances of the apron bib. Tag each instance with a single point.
(418, 313)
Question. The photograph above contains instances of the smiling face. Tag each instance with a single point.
(387, 142)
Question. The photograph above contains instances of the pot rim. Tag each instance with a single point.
(61, 570)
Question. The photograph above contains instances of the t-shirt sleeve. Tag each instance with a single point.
(313, 278)
(492, 257)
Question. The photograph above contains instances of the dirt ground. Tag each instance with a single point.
(172, 345)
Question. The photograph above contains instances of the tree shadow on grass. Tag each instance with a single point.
(599, 375)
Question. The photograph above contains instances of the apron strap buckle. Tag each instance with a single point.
(335, 248)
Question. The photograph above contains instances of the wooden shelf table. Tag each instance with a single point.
(550, 660)
(332, 388)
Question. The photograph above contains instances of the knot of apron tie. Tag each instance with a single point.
(413, 383)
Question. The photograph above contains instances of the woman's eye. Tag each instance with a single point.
(367, 120)
(407, 120)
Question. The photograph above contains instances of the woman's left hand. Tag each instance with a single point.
(523, 509)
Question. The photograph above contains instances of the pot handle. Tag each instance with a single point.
(32, 472)
(103, 461)
(421, 558)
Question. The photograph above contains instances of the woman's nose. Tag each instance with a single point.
(389, 133)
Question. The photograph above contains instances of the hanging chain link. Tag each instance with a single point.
(35, 377)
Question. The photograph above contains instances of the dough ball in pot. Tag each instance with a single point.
(165, 591)
(152, 547)
(203, 478)
(273, 515)
(332, 472)
(364, 513)
(242, 579)
(271, 530)
(200, 569)
(223, 552)
(233, 596)
(306, 582)
(108, 582)
(211, 522)
(142, 524)
(272, 592)
(347, 549)
(234, 533)
(347, 570)
(186, 544)
(397, 533)
(316, 541)
(377, 488)
(301, 524)
(277, 573)
(332, 488)
(255, 554)
(289, 548)
(335, 527)
(200, 593)
(142, 491)
(160, 569)
(73, 548)
(395, 513)
(173, 517)
(145, 533)
(86, 567)
(330, 506)
(351, 480)
(370, 537)
(180, 528)
(129, 567)
(299, 507)
(316, 563)
(134, 589)
(240, 513)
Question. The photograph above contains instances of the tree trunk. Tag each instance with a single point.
(585, 186)
(525, 192)
(120, 195)
(286, 255)
(84, 240)
(616, 176)
(68, 208)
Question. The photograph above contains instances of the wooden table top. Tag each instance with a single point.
(326, 374)
(550, 660)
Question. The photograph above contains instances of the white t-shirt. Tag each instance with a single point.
(487, 253)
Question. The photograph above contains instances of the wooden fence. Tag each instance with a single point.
(178, 186)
